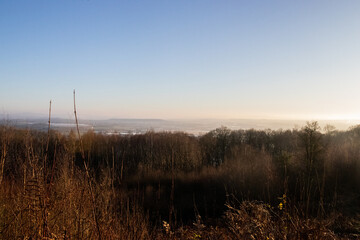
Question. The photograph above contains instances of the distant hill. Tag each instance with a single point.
(193, 126)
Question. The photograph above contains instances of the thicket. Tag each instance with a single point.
(229, 184)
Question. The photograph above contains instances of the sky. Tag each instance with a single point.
(181, 59)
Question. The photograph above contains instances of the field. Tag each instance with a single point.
(227, 184)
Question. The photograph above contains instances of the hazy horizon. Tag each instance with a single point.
(70, 115)
(142, 125)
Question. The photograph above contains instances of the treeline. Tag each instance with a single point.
(177, 177)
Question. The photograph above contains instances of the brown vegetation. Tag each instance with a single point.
(244, 184)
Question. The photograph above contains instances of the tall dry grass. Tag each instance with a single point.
(138, 182)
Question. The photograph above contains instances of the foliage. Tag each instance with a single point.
(138, 179)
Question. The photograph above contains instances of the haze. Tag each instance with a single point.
(181, 59)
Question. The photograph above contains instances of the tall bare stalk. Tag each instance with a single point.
(4, 146)
(44, 200)
(87, 174)
(47, 143)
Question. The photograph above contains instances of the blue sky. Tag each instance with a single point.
(181, 59)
